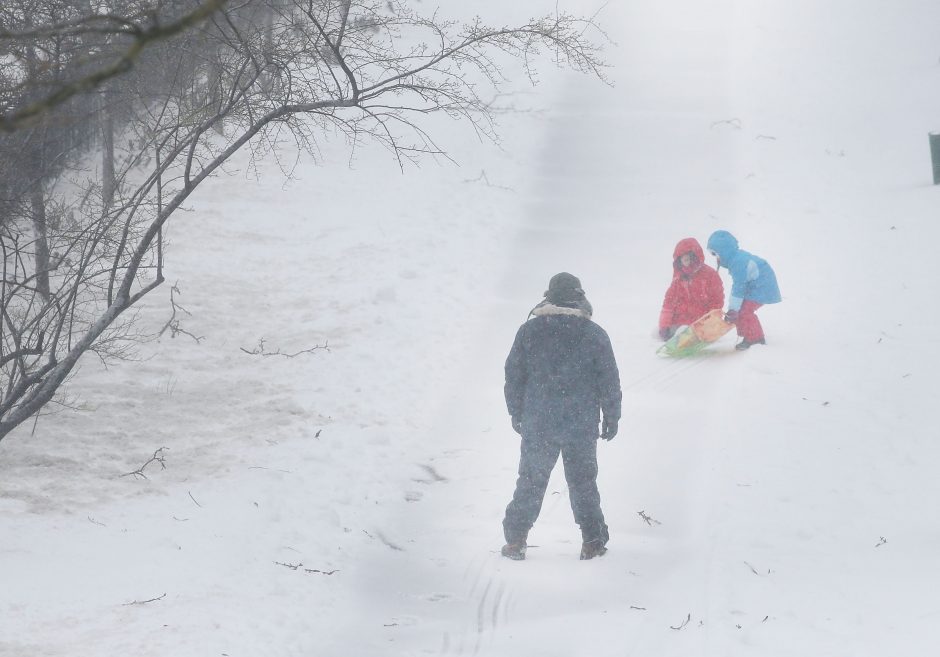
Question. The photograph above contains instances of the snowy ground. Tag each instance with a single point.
(348, 501)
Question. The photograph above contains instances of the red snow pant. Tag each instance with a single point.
(748, 325)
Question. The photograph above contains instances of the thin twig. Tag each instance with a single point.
(261, 351)
(143, 602)
(157, 457)
(682, 624)
(388, 543)
(434, 474)
(298, 566)
(486, 180)
(173, 324)
(754, 570)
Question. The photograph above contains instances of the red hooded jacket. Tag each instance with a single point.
(694, 290)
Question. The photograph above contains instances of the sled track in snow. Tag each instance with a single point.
(489, 599)
(667, 372)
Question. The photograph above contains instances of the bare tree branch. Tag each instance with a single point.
(254, 74)
(157, 457)
(681, 625)
(141, 37)
(144, 602)
(260, 350)
(173, 324)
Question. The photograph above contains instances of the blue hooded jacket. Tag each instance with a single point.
(752, 278)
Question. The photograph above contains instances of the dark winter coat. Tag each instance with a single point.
(752, 277)
(694, 290)
(561, 374)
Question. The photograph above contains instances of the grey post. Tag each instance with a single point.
(935, 155)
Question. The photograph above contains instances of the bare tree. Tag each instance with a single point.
(128, 32)
(371, 70)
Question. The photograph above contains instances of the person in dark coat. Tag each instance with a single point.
(561, 376)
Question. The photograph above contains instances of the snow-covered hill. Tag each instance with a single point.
(347, 500)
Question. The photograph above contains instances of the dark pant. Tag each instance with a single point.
(539, 455)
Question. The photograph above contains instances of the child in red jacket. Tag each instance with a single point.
(696, 288)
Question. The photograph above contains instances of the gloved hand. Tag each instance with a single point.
(608, 429)
(517, 424)
(731, 316)
(667, 332)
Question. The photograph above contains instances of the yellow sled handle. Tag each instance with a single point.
(711, 326)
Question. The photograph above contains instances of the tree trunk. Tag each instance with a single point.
(107, 151)
(38, 201)
(342, 24)
(36, 196)
(215, 83)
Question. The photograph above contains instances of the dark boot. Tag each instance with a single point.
(515, 545)
(591, 549)
(747, 344)
(514, 551)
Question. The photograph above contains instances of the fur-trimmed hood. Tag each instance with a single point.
(546, 308)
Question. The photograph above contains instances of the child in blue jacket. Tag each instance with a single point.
(753, 285)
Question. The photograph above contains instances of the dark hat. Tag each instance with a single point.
(564, 289)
